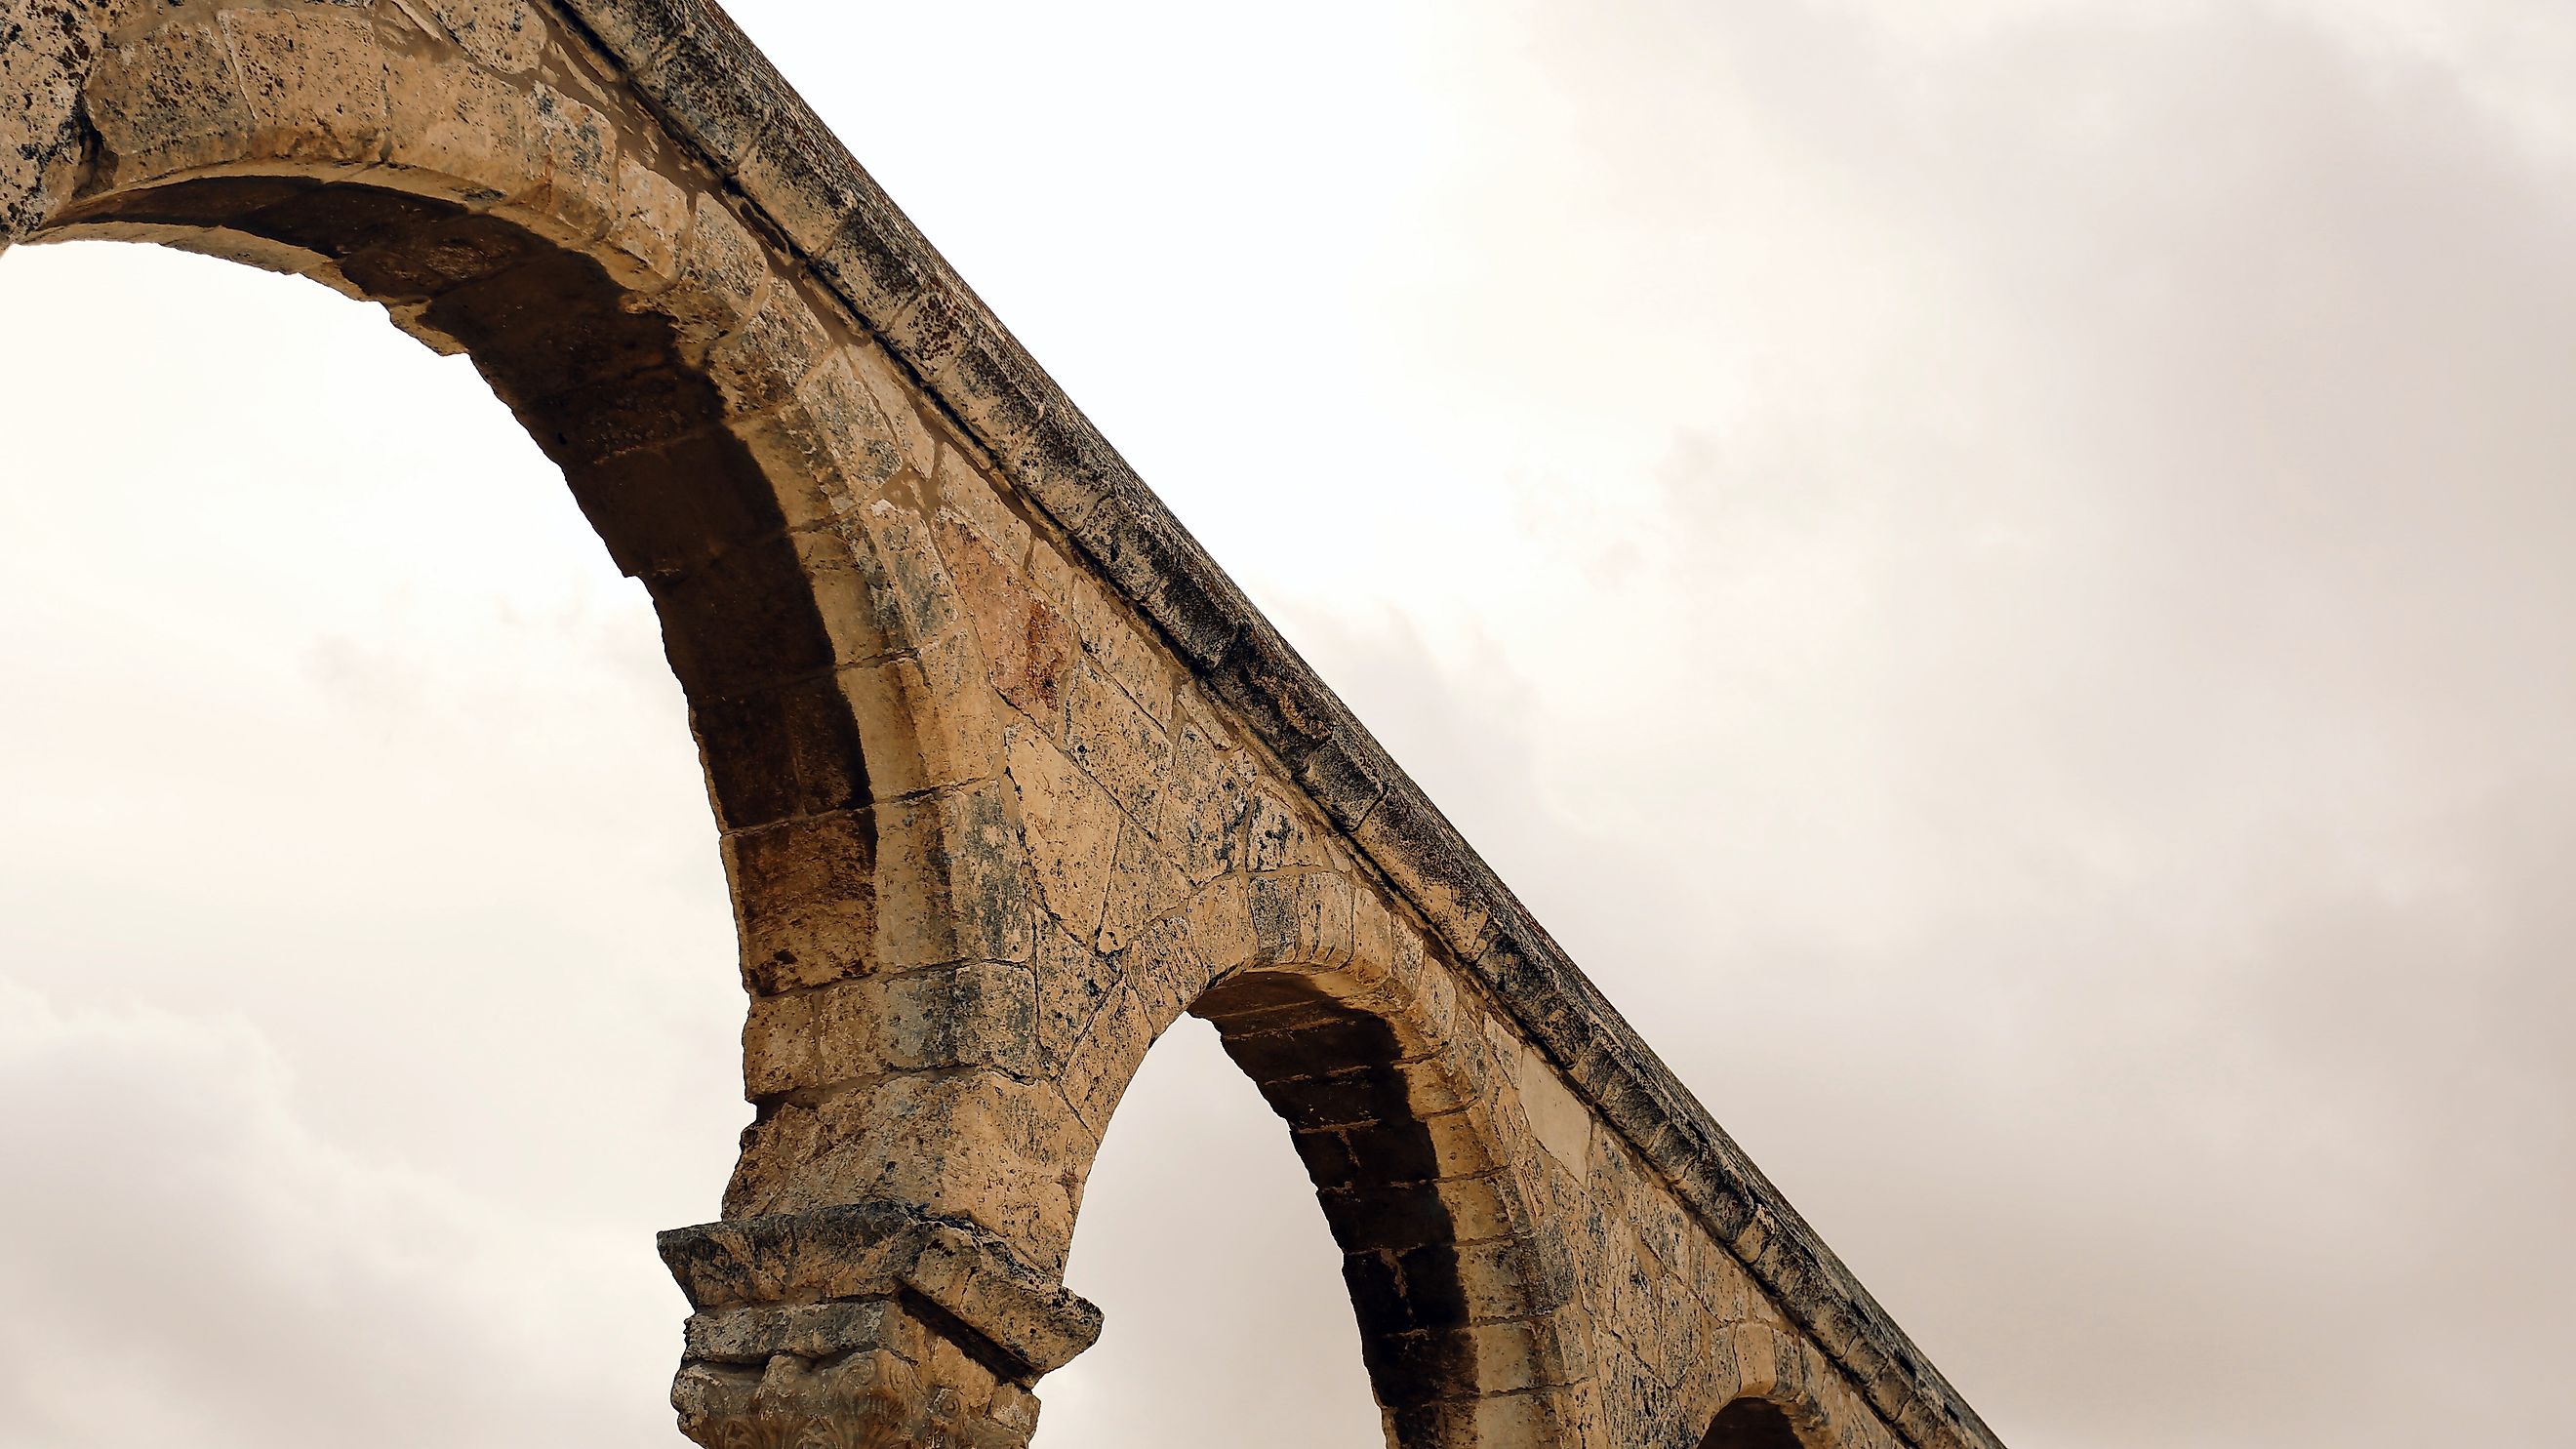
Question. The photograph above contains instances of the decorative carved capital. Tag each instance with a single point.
(868, 1400)
(867, 1325)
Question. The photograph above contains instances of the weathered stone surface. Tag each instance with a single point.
(1009, 774)
(170, 100)
(315, 81)
(509, 36)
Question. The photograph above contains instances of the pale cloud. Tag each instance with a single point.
(192, 1262)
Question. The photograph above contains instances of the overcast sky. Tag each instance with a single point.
(1998, 571)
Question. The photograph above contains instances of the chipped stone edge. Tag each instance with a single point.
(694, 66)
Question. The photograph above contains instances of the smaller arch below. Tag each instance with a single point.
(1752, 1424)
(1435, 1252)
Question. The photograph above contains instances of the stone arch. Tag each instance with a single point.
(968, 700)
(749, 452)
(1339, 1012)
(1774, 1390)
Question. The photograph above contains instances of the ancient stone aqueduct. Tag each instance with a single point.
(1009, 775)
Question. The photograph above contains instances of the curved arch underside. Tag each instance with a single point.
(1751, 1424)
(1007, 773)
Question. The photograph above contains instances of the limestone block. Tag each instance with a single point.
(778, 1046)
(1221, 925)
(1120, 652)
(1660, 1223)
(315, 83)
(636, 31)
(963, 488)
(507, 35)
(1278, 836)
(1768, 1364)
(44, 59)
(1373, 926)
(911, 593)
(1071, 827)
(451, 118)
(1113, 738)
(1507, 1357)
(929, 709)
(1102, 1063)
(710, 81)
(1043, 1328)
(875, 1396)
(1402, 985)
(778, 753)
(652, 226)
(953, 883)
(1015, 1409)
(823, 443)
(575, 197)
(1006, 1139)
(1208, 799)
(1073, 983)
(1302, 919)
(1459, 1144)
(760, 365)
(1144, 886)
(992, 1017)
(1714, 1376)
(1027, 641)
(1560, 1121)
(1717, 1280)
(1431, 1086)
(1410, 845)
(1485, 1208)
(1515, 1421)
(895, 396)
(779, 1153)
(804, 899)
(807, 1330)
(837, 581)
(1165, 970)
(1436, 999)
(977, 1015)
(1051, 573)
(806, 182)
(168, 101)
(722, 275)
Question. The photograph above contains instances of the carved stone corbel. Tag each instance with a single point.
(868, 1326)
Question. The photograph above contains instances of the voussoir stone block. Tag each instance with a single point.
(314, 78)
(509, 36)
(170, 100)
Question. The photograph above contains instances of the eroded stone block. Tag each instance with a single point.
(315, 83)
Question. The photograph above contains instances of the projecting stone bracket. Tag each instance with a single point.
(864, 1324)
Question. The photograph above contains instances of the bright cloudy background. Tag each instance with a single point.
(1999, 571)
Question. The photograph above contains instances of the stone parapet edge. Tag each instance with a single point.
(693, 64)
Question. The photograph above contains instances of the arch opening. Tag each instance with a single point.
(1752, 1424)
(352, 1126)
(1448, 1288)
(1333, 1074)
(1451, 1291)
(609, 393)
(1225, 1318)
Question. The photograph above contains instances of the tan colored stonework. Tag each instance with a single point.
(1008, 778)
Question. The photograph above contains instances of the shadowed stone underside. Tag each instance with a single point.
(1008, 774)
